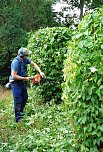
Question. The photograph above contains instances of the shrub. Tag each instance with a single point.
(83, 87)
(49, 48)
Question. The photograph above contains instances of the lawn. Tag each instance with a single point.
(44, 127)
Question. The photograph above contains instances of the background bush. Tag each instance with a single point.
(12, 36)
(83, 87)
(49, 48)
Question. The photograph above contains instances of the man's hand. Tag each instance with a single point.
(42, 74)
(27, 78)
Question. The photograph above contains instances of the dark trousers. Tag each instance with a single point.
(20, 98)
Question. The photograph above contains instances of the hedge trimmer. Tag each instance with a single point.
(36, 79)
(39, 79)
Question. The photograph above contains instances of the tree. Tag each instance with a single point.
(71, 10)
(36, 14)
(12, 36)
(81, 8)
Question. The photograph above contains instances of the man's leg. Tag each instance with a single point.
(17, 91)
(24, 95)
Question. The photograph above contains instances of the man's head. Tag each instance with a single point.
(24, 52)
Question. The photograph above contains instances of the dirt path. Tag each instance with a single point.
(4, 93)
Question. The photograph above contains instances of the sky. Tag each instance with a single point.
(59, 5)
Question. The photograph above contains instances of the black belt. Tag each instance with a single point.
(18, 81)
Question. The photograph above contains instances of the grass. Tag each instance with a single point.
(44, 127)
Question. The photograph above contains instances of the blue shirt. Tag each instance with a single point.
(19, 66)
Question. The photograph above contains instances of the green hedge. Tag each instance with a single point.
(49, 48)
(83, 87)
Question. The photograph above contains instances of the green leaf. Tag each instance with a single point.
(102, 46)
(77, 36)
(101, 127)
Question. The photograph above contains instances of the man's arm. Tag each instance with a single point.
(37, 68)
(15, 76)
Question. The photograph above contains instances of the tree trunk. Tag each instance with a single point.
(81, 9)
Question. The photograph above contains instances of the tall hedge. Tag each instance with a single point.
(83, 87)
(49, 48)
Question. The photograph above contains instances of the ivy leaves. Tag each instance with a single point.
(49, 49)
(84, 80)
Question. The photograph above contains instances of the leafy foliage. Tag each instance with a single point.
(83, 87)
(44, 127)
(37, 14)
(94, 3)
(12, 36)
(49, 49)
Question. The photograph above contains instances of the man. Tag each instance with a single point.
(17, 80)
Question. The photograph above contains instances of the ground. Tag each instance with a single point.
(44, 128)
(4, 93)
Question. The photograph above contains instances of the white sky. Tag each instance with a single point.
(59, 5)
(70, 13)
